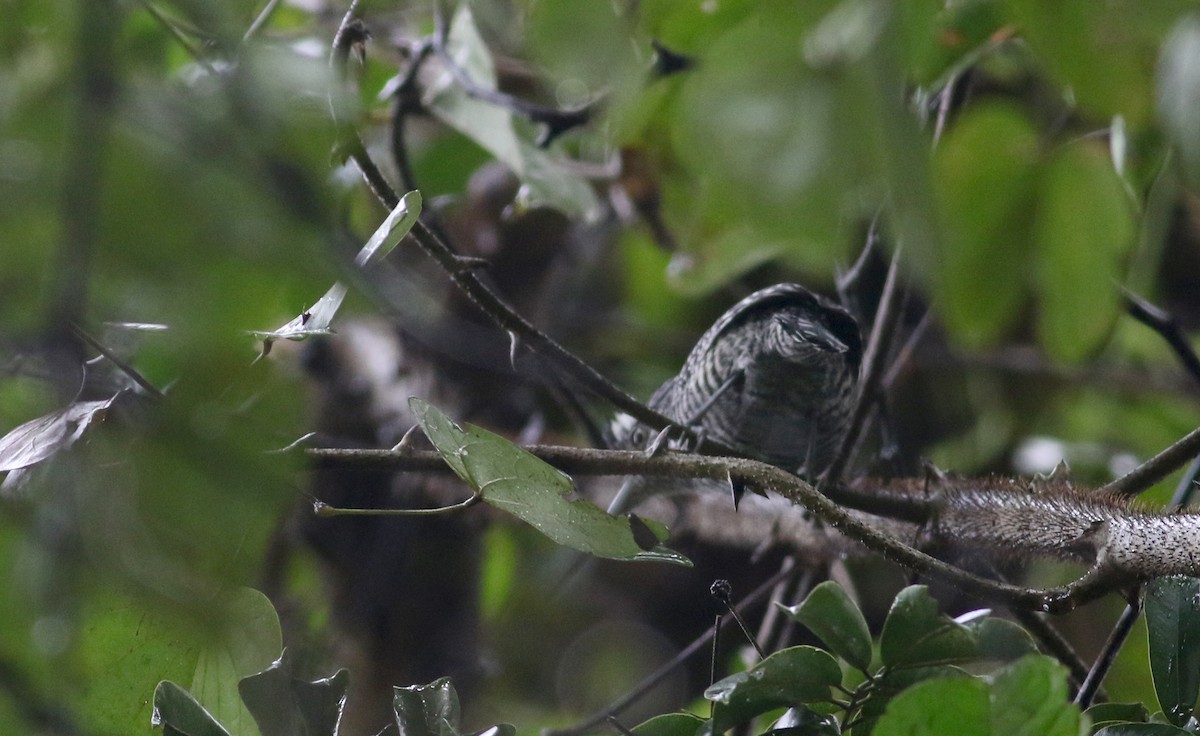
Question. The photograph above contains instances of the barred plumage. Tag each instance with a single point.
(774, 378)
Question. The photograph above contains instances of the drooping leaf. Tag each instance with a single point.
(916, 633)
(830, 614)
(178, 713)
(1173, 630)
(511, 479)
(39, 439)
(427, 710)
(284, 705)
(788, 677)
(317, 319)
(391, 231)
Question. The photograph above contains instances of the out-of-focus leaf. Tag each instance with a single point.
(515, 481)
(985, 179)
(916, 633)
(830, 614)
(788, 677)
(179, 714)
(1030, 698)
(1083, 228)
(1121, 712)
(546, 180)
(1179, 92)
(938, 707)
(1104, 54)
(250, 642)
(123, 650)
(1173, 631)
(283, 705)
(39, 439)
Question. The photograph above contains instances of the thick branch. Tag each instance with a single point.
(1006, 517)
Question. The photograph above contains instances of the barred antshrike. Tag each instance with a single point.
(774, 378)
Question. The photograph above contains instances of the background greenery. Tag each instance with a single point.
(159, 165)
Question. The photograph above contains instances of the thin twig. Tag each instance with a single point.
(874, 364)
(643, 687)
(1167, 327)
(260, 21)
(124, 367)
(1157, 467)
(1104, 661)
(322, 509)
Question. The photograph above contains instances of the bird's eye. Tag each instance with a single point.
(638, 437)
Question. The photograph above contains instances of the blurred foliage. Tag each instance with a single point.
(161, 165)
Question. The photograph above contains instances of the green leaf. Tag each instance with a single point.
(427, 710)
(893, 682)
(250, 642)
(956, 706)
(915, 633)
(1119, 712)
(984, 175)
(1082, 231)
(1001, 639)
(1173, 631)
(787, 677)
(179, 713)
(125, 649)
(512, 480)
(1103, 53)
(669, 724)
(830, 614)
(1030, 698)
(283, 705)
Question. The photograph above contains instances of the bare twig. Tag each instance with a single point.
(874, 364)
(1116, 637)
(320, 508)
(124, 367)
(1157, 467)
(643, 687)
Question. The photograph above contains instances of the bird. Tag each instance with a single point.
(774, 379)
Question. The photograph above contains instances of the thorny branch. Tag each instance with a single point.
(1112, 570)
